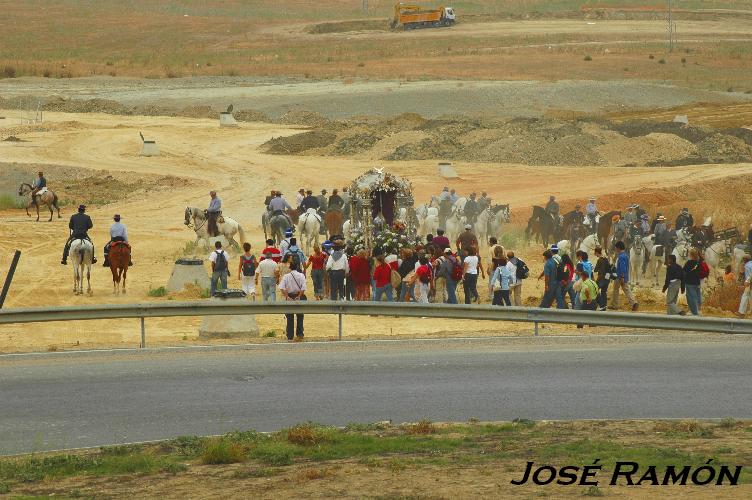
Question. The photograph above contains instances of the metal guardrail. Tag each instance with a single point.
(450, 311)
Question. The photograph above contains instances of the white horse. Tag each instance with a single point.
(713, 255)
(82, 254)
(564, 247)
(589, 244)
(454, 225)
(638, 252)
(654, 262)
(428, 220)
(739, 252)
(309, 225)
(502, 217)
(481, 226)
(196, 220)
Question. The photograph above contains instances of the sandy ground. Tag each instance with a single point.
(228, 160)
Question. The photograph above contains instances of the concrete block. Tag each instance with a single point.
(681, 119)
(187, 271)
(447, 171)
(228, 326)
(227, 120)
(150, 148)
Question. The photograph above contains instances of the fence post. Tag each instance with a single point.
(143, 333)
(340, 323)
(9, 278)
(536, 328)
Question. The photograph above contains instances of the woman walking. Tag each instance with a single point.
(316, 262)
(471, 267)
(382, 277)
(360, 275)
(501, 282)
(247, 271)
(293, 287)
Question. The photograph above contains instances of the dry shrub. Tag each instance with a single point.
(725, 298)
(647, 296)
(422, 427)
(9, 72)
(313, 474)
(308, 434)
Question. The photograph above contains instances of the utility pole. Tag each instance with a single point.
(365, 7)
(671, 27)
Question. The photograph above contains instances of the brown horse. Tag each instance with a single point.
(294, 215)
(334, 219)
(119, 257)
(604, 227)
(48, 198)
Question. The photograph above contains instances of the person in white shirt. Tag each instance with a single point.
(268, 271)
(293, 287)
(337, 267)
(516, 287)
(220, 268)
(471, 267)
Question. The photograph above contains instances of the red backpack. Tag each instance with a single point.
(456, 268)
(704, 270)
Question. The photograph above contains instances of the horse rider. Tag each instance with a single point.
(591, 211)
(335, 201)
(552, 209)
(269, 197)
(118, 232)
(39, 185)
(323, 202)
(662, 235)
(471, 209)
(444, 195)
(619, 228)
(655, 222)
(299, 197)
(309, 201)
(278, 205)
(445, 206)
(484, 202)
(453, 196)
(212, 214)
(346, 202)
(631, 216)
(79, 226)
(644, 225)
(684, 219)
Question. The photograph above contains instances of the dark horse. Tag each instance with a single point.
(604, 227)
(541, 225)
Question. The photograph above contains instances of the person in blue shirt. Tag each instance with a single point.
(553, 286)
(622, 278)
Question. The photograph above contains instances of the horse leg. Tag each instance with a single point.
(37, 205)
(124, 272)
(88, 279)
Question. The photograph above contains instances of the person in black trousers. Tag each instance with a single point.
(601, 269)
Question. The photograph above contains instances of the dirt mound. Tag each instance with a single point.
(720, 148)
(306, 118)
(250, 115)
(85, 106)
(199, 112)
(354, 144)
(300, 143)
(348, 26)
(13, 138)
(654, 148)
(639, 128)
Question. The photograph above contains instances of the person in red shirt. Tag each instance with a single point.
(440, 241)
(360, 273)
(382, 275)
(424, 278)
(316, 262)
(270, 248)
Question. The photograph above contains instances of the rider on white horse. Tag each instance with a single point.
(591, 213)
(79, 226)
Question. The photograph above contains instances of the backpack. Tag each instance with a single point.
(297, 257)
(561, 272)
(522, 270)
(221, 263)
(424, 278)
(704, 270)
(456, 269)
(249, 265)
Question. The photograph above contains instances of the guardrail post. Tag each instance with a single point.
(340, 323)
(143, 333)
(536, 328)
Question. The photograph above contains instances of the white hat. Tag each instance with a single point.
(468, 226)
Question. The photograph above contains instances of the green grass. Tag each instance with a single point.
(9, 201)
(157, 292)
(222, 451)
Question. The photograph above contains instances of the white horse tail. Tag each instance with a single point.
(241, 233)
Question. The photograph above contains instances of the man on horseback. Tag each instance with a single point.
(471, 209)
(483, 202)
(445, 206)
(619, 229)
(39, 187)
(269, 198)
(118, 232)
(299, 197)
(684, 219)
(631, 216)
(335, 201)
(79, 226)
(644, 225)
(277, 205)
(213, 212)
(309, 201)
(552, 209)
(591, 210)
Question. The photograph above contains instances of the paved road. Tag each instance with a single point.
(88, 400)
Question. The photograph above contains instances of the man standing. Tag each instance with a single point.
(673, 285)
(622, 278)
(337, 267)
(268, 271)
(79, 226)
(518, 268)
(39, 185)
(212, 213)
(323, 201)
(220, 268)
(309, 201)
(118, 232)
(346, 202)
(467, 240)
(293, 287)
(552, 285)
(746, 301)
(684, 219)
(602, 272)
(284, 245)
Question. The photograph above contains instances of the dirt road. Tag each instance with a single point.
(229, 161)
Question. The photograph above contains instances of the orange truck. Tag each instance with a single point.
(413, 16)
